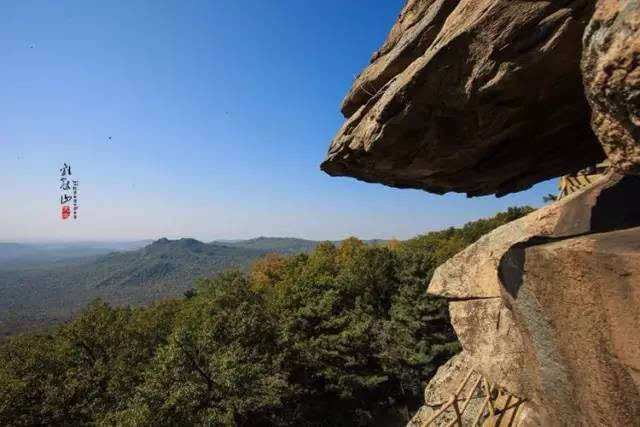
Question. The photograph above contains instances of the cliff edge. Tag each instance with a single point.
(491, 97)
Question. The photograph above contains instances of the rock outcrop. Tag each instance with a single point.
(612, 80)
(547, 306)
(604, 206)
(443, 385)
(491, 97)
(576, 303)
(475, 96)
(446, 383)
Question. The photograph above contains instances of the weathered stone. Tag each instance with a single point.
(511, 411)
(488, 97)
(577, 304)
(612, 79)
(440, 389)
(547, 306)
(604, 206)
(488, 335)
(475, 96)
(417, 26)
(447, 379)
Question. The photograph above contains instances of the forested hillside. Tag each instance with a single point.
(35, 296)
(22, 255)
(345, 335)
(45, 284)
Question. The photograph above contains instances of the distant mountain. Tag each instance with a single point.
(36, 295)
(10, 251)
(19, 255)
(170, 264)
(43, 284)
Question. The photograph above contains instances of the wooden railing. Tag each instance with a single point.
(496, 404)
(571, 183)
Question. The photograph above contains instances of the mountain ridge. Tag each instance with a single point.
(33, 287)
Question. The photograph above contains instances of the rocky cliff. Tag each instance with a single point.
(491, 97)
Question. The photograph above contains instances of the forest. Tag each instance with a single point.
(43, 285)
(344, 335)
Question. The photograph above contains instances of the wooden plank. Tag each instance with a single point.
(477, 419)
(439, 412)
(473, 389)
(492, 411)
(458, 414)
(459, 390)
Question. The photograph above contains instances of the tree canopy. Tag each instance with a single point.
(345, 335)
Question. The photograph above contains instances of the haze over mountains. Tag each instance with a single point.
(44, 284)
(22, 254)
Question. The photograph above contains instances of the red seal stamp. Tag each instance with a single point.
(66, 211)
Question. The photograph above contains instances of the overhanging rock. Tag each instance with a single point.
(474, 96)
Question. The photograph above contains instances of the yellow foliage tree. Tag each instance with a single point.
(266, 271)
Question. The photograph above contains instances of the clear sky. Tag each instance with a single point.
(204, 119)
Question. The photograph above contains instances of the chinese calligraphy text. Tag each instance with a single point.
(69, 188)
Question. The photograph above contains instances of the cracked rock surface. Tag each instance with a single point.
(611, 71)
(606, 205)
(491, 97)
(474, 96)
(576, 304)
(548, 306)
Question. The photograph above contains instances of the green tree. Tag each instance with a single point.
(219, 367)
(343, 336)
(85, 370)
(31, 375)
(329, 315)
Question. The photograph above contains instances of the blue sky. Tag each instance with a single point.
(219, 114)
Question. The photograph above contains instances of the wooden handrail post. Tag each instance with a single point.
(477, 420)
(458, 414)
(492, 414)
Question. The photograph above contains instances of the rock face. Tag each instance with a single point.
(491, 97)
(576, 303)
(547, 306)
(510, 411)
(475, 96)
(442, 387)
(612, 79)
(605, 206)
(489, 336)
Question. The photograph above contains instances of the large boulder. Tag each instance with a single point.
(491, 340)
(547, 306)
(475, 96)
(611, 74)
(608, 204)
(488, 97)
(413, 33)
(576, 303)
